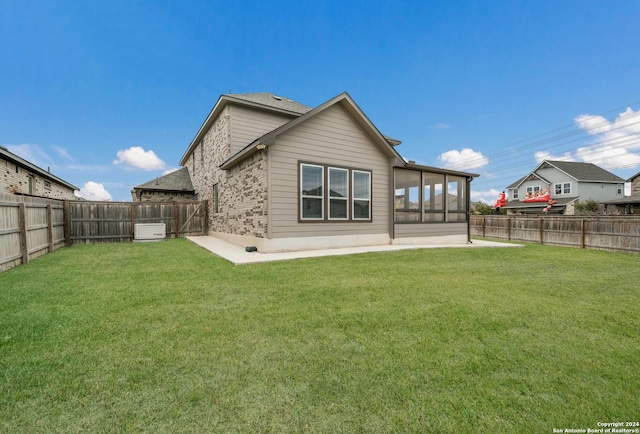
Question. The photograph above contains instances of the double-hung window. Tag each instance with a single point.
(312, 192)
(361, 195)
(330, 193)
(338, 194)
(562, 188)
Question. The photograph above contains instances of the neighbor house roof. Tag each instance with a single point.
(178, 180)
(633, 199)
(18, 161)
(345, 100)
(586, 172)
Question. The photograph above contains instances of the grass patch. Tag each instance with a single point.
(166, 337)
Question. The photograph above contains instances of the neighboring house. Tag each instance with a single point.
(21, 177)
(281, 176)
(627, 204)
(565, 182)
(174, 186)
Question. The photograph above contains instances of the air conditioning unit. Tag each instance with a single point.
(150, 231)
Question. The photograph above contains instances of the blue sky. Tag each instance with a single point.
(110, 94)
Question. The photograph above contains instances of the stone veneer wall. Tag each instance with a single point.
(242, 190)
(15, 179)
(635, 185)
(162, 196)
(245, 205)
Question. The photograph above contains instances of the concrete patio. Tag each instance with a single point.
(237, 255)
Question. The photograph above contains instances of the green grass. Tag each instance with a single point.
(166, 337)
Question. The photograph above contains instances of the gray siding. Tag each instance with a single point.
(330, 138)
(247, 124)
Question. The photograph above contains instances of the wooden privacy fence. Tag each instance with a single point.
(31, 226)
(616, 233)
(108, 222)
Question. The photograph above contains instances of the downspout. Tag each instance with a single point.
(469, 210)
(392, 211)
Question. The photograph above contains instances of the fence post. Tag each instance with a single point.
(541, 230)
(508, 228)
(484, 224)
(176, 219)
(582, 234)
(66, 219)
(132, 233)
(22, 221)
(50, 228)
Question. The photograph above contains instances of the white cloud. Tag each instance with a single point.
(616, 143)
(94, 191)
(463, 160)
(63, 153)
(137, 157)
(442, 126)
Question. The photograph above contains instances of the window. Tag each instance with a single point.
(456, 199)
(514, 193)
(619, 188)
(427, 197)
(47, 185)
(312, 197)
(338, 194)
(562, 188)
(347, 196)
(216, 207)
(433, 187)
(361, 195)
(407, 202)
(531, 191)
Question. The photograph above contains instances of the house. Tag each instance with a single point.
(22, 177)
(627, 204)
(557, 185)
(279, 175)
(175, 186)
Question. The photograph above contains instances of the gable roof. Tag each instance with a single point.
(345, 100)
(586, 172)
(260, 101)
(178, 180)
(530, 177)
(18, 161)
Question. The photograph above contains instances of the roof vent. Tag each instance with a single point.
(277, 97)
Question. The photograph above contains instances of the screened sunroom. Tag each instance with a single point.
(431, 202)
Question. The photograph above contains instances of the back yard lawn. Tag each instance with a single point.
(166, 337)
